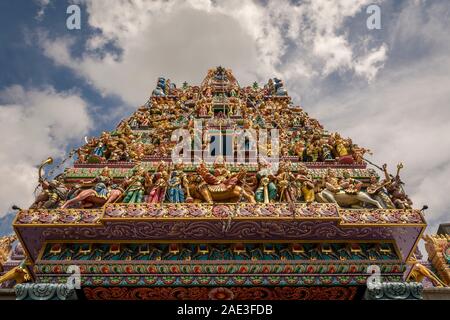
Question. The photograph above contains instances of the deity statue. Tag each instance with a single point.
(341, 145)
(53, 193)
(102, 182)
(284, 182)
(208, 92)
(350, 185)
(177, 184)
(312, 152)
(158, 184)
(358, 153)
(267, 190)
(326, 151)
(307, 185)
(104, 191)
(220, 184)
(279, 87)
(376, 191)
(203, 110)
(394, 187)
(159, 91)
(101, 147)
(299, 148)
(134, 193)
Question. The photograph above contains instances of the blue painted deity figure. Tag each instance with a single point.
(103, 183)
(280, 90)
(177, 181)
(159, 91)
(99, 150)
(175, 193)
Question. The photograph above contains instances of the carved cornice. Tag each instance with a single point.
(395, 291)
(44, 291)
(203, 211)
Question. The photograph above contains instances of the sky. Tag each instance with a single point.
(388, 89)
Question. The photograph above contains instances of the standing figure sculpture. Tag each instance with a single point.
(307, 185)
(267, 190)
(157, 184)
(285, 185)
(53, 192)
(176, 185)
(134, 193)
(394, 186)
(376, 191)
(326, 150)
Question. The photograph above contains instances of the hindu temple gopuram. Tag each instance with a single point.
(311, 219)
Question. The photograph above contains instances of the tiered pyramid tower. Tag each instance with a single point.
(140, 225)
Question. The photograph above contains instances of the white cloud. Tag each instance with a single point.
(34, 124)
(183, 40)
(404, 114)
(403, 117)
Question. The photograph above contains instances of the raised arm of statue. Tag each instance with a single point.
(399, 167)
(386, 174)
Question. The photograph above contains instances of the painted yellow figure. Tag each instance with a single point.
(341, 147)
(307, 184)
(19, 274)
(419, 272)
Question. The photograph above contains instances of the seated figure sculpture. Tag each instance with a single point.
(220, 185)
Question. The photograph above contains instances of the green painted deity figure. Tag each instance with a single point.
(134, 193)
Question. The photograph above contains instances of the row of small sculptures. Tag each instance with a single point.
(170, 183)
(123, 145)
(213, 251)
(308, 143)
(300, 135)
(222, 78)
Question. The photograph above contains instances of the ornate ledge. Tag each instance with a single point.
(233, 268)
(203, 211)
(381, 216)
(59, 217)
(120, 170)
(44, 291)
(222, 280)
(395, 291)
(221, 211)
